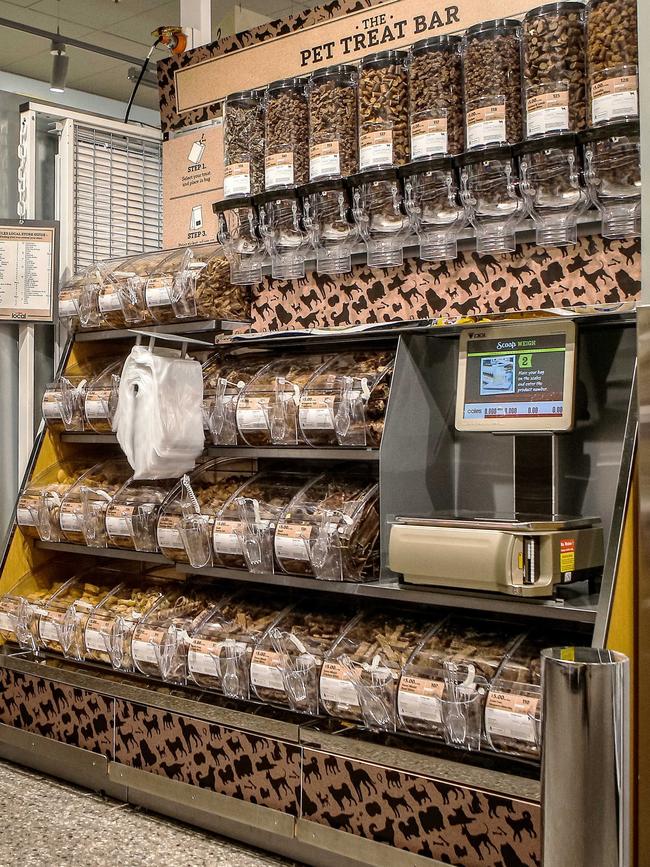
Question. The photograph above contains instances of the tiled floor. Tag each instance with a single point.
(46, 823)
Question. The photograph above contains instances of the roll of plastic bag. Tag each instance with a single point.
(158, 421)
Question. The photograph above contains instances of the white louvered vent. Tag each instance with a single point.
(117, 195)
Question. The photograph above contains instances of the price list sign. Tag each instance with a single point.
(28, 270)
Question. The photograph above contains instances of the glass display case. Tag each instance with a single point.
(362, 670)
(287, 660)
(83, 507)
(444, 685)
(221, 648)
(345, 402)
(331, 529)
(186, 518)
(267, 410)
(244, 528)
(39, 503)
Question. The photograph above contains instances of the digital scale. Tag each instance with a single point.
(517, 379)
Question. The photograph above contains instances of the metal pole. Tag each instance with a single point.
(585, 766)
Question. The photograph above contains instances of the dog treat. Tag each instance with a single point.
(39, 504)
(245, 527)
(612, 60)
(216, 297)
(448, 676)
(436, 98)
(64, 616)
(185, 534)
(132, 514)
(224, 378)
(383, 110)
(361, 672)
(286, 135)
(345, 402)
(221, 649)
(100, 398)
(83, 509)
(161, 640)
(21, 606)
(333, 123)
(110, 626)
(286, 663)
(492, 83)
(554, 68)
(267, 410)
(331, 529)
(244, 144)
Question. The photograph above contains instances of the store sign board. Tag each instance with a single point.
(192, 181)
(29, 256)
(395, 24)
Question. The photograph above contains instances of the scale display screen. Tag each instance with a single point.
(517, 378)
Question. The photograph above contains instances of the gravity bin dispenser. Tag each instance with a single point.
(518, 488)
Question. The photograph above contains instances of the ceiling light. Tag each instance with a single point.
(60, 62)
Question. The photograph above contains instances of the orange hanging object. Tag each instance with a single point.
(172, 37)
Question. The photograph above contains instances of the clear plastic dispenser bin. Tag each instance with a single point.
(333, 144)
(132, 514)
(513, 710)
(283, 232)
(101, 396)
(286, 133)
(286, 664)
(220, 650)
(78, 300)
(267, 409)
(344, 404)
(63, 617)
(432, 201)
(243, 149)
(489, 194)
(83, 507)
(549, 171)
(383, 110)
(20, 607)
(238, 232)
(244, 528)
(328, 220)
(161, 640)
(612, 168)
(109, 628)
(379, 211)
(224, 379)
(187, 516)
(331, 529)
(39, 503)
(63, 399)
(444, 685)
(437, 124)
(612, 60)
(362, 670)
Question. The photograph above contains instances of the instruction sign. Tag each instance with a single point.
(28, 270)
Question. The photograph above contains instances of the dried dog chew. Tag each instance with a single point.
(286, 663)
(612, 59)
(436, 97)
(63, 619)
(39, 505)
(554, 68)
(83, 509)
(383, 110)
(333, 123)
(132, 514)
(491, 78)
(244, 144)
(286, 135)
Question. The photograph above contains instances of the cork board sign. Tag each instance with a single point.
(192, 181)
(394, 24)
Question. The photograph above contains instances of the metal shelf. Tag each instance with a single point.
(111, 553)
(328, 454)
(180, 328)
(578, 608)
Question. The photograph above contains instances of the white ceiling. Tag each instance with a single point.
(121, 25)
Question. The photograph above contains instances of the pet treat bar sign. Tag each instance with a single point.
(394, 24)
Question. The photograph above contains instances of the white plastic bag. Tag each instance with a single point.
(158, 421)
